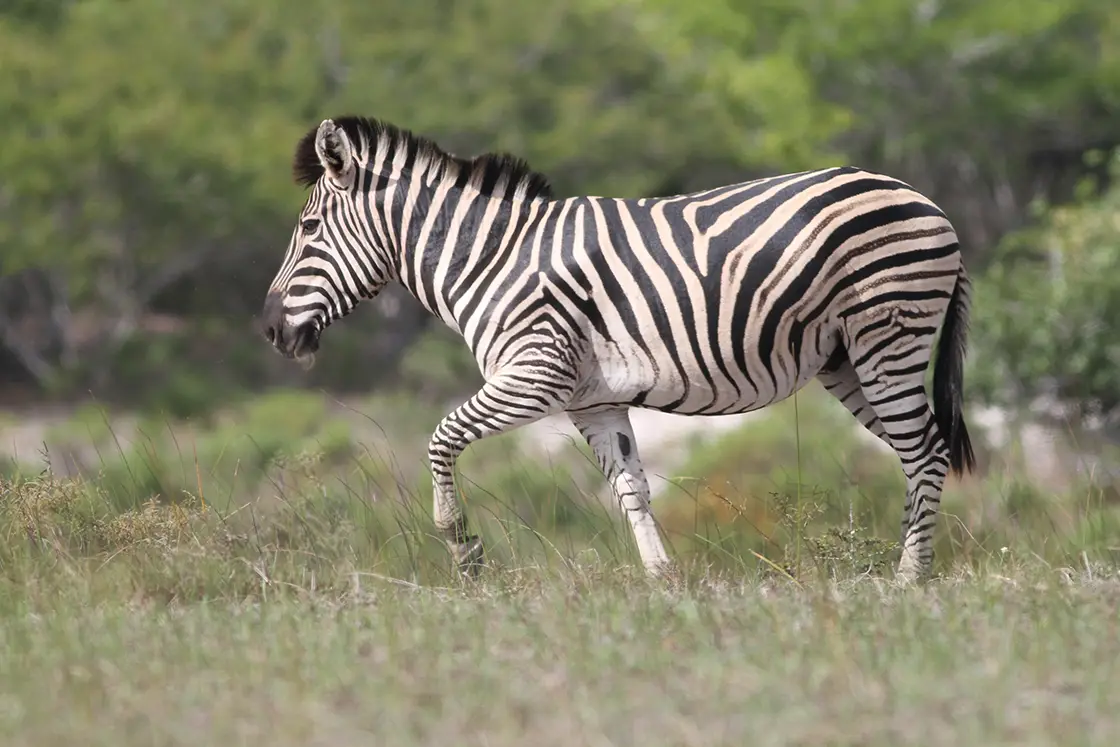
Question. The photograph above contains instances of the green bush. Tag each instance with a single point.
(1044, 311)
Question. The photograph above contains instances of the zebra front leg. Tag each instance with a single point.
(502, 404)
(611, 437)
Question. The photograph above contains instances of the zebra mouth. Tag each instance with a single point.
(297, 343)
(305, 341)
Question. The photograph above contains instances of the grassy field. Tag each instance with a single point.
(590, 656)
(264, 578)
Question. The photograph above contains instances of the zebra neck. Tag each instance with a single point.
(455, 238)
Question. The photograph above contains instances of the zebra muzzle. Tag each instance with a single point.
(299, 342)
(296, 342)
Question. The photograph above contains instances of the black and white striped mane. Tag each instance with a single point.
(484, 172)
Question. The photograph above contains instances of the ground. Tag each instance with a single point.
(310, 602)
(590, 656)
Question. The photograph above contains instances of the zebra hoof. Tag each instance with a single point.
(664, 569)
(911, 571)
(468, 556)
(666, 574)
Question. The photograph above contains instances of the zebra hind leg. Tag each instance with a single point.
(839, 378)
(502, 404)
(891, 376)
(610, 435)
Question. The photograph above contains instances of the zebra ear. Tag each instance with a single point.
(335, 151)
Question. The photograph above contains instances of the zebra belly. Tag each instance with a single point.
(650, 375)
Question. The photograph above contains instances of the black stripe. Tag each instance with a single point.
(647, 228)
(509, 261)
(760, 267)
(617, 240)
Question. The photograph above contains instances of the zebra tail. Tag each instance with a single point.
(948, 378)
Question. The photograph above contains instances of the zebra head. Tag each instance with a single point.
(334, 258)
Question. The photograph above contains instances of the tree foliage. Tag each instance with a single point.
(1048, 307)
(145, 197)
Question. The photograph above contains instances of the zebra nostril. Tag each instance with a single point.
(272, 318)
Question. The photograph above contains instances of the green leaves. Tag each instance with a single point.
(1046, 310)
(146, 146)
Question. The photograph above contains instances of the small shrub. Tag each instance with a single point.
(835, 551)
(740, 485)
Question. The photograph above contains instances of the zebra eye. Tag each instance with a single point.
(310, 225)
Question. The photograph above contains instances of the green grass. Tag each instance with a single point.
(590, 656)
(270, 577)
(800, 474)
(298, 623)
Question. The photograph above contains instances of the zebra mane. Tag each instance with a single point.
(483, 172)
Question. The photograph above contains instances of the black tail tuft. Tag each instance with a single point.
(948, 378)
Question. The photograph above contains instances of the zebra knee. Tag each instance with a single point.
(443, 449)
(624, 445)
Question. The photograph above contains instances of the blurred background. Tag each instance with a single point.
(146, 201)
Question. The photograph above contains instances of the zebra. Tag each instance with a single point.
(720, 301)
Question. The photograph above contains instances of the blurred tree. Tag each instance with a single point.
(1045, 324)
(984, 109)
(145, 190)
(148, 150)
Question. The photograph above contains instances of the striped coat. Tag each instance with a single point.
(721, 301)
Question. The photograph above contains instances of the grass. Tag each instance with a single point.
(262, 578)
(590, 656)
(172, 623)
(801, 474)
